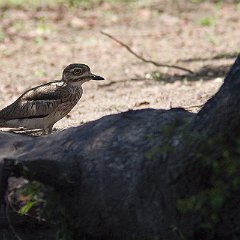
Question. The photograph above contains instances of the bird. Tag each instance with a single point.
(42, 106)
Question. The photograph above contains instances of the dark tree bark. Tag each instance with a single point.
(121, 177)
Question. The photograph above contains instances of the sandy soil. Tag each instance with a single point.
(36, 44)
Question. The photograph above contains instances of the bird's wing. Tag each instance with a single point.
(35, 103)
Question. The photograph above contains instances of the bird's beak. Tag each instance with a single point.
(96, 77)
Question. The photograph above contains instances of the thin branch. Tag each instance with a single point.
(10, 224)
(193, 106)
(121, 81)
(157, 64)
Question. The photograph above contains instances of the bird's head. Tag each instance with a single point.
(78, 73)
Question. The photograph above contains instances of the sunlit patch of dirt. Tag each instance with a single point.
(35, 46)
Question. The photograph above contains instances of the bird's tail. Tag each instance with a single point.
(3, 123)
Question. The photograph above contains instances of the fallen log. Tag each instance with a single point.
(145, 174)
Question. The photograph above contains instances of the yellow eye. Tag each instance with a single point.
(77, 71)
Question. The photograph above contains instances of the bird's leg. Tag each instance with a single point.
(44, 132)
(50, 129)
(47, 130)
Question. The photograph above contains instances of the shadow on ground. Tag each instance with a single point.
(216, 57)
(205, 73)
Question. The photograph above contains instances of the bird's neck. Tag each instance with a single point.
(76, 84)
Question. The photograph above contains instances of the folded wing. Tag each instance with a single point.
(37, 102)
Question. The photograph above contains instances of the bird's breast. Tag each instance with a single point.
(71, 98)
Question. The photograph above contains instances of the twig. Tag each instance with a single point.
(4, 175)
(6, 172)
(157, 64)
(121, 81)
(10, 224)
(193, 106)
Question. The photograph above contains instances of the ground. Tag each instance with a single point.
(36, 43)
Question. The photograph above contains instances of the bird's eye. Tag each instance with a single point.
(77, 71)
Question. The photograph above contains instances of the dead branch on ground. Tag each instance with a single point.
(157, 64)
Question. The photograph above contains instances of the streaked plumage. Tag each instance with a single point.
(41, 107)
